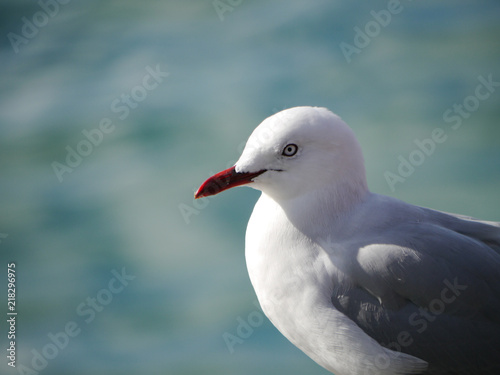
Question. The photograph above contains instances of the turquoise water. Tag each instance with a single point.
(112, 113)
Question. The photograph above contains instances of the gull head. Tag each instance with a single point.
(295, 153)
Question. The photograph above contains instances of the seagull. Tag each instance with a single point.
(360, 282)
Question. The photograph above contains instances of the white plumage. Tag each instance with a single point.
(362, 283)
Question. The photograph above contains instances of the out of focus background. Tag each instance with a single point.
(113, 112)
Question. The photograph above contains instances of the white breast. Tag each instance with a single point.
(293, 278)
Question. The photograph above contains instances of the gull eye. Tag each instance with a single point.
(290, 150)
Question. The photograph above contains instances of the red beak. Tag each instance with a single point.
(225, 180)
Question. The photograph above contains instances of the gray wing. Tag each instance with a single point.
(433, 293)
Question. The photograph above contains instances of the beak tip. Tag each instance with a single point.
(201, 191)
(225, 180)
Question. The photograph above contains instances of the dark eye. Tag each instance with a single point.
(290, 150)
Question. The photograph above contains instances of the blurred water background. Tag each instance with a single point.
(219, 68)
